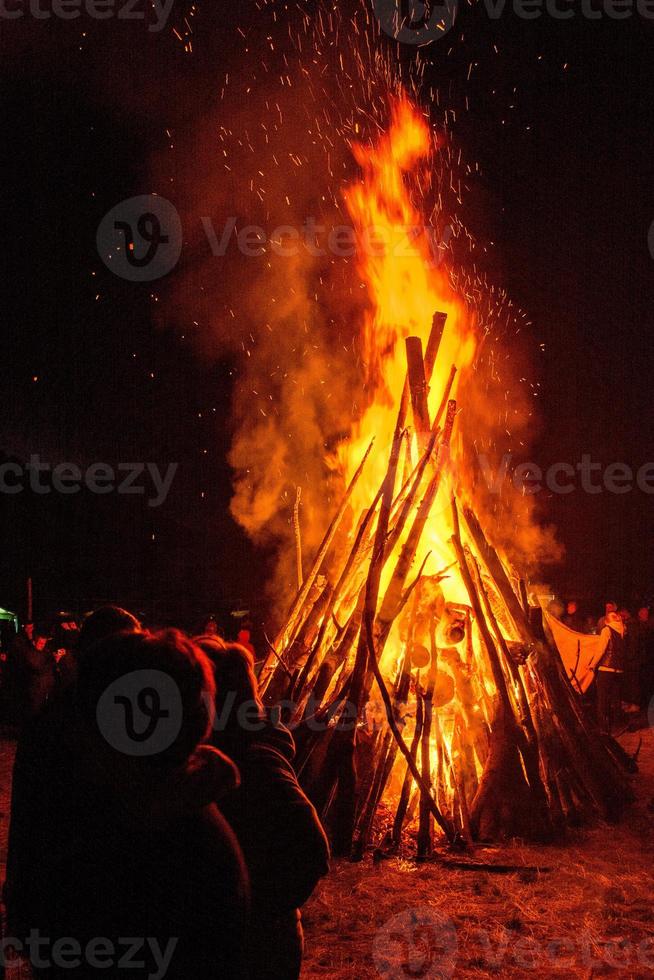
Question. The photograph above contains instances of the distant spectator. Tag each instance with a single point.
(208, 627)
(556, 608)
(62, 645)
(34, 667)
(244, 639)
(572, 619)
(610, 672)
(96, 626)
(610, 607)
(590, 625)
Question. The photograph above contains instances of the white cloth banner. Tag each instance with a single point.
(579, 652)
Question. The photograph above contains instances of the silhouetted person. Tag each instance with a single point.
(610, 672)
(244, 639)
(556, 608)
(127, 844)
(282, 838)
(42, 751)
(208, 627)
(609, 607)
(43, 746)
(64, 636)
(34, 667)
(572, 619)
(103, 622)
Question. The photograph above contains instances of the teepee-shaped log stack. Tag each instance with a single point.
(480, 736)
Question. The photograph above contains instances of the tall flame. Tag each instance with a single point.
(407, 281)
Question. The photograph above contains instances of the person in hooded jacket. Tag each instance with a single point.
(283, 841)
(42, 765)
(127, 842)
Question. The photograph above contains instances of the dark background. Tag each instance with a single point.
(560, 119)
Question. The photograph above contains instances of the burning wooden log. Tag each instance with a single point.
(418, 387)
(424, 820)
(581, 758)
(403, 802)
(298, 538)
(393, 598)
(500, 746)
(505, 803)
(288, 630)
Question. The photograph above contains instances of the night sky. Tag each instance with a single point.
(93, 368)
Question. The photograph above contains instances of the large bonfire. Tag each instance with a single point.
(406, 603)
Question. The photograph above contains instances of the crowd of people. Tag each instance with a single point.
(206, 849)
(624, 669)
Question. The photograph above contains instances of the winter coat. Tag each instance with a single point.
(96, 851)
(35, 672)
(613, 657)
(283, 842)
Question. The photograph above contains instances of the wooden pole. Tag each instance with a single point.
(446, 397)
(405, 793)
(418, 388)
(298, 537)
(393, 597)
(443, 823)
(498, 573)
(285, 636)
(424, 820)
(434, 343)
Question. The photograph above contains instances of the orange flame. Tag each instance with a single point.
(407, 282)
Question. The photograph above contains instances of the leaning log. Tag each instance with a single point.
(418, 388)
(285, 636)
(580, 749)
(505, 804)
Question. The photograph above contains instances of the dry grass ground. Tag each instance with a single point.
(590, 915)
